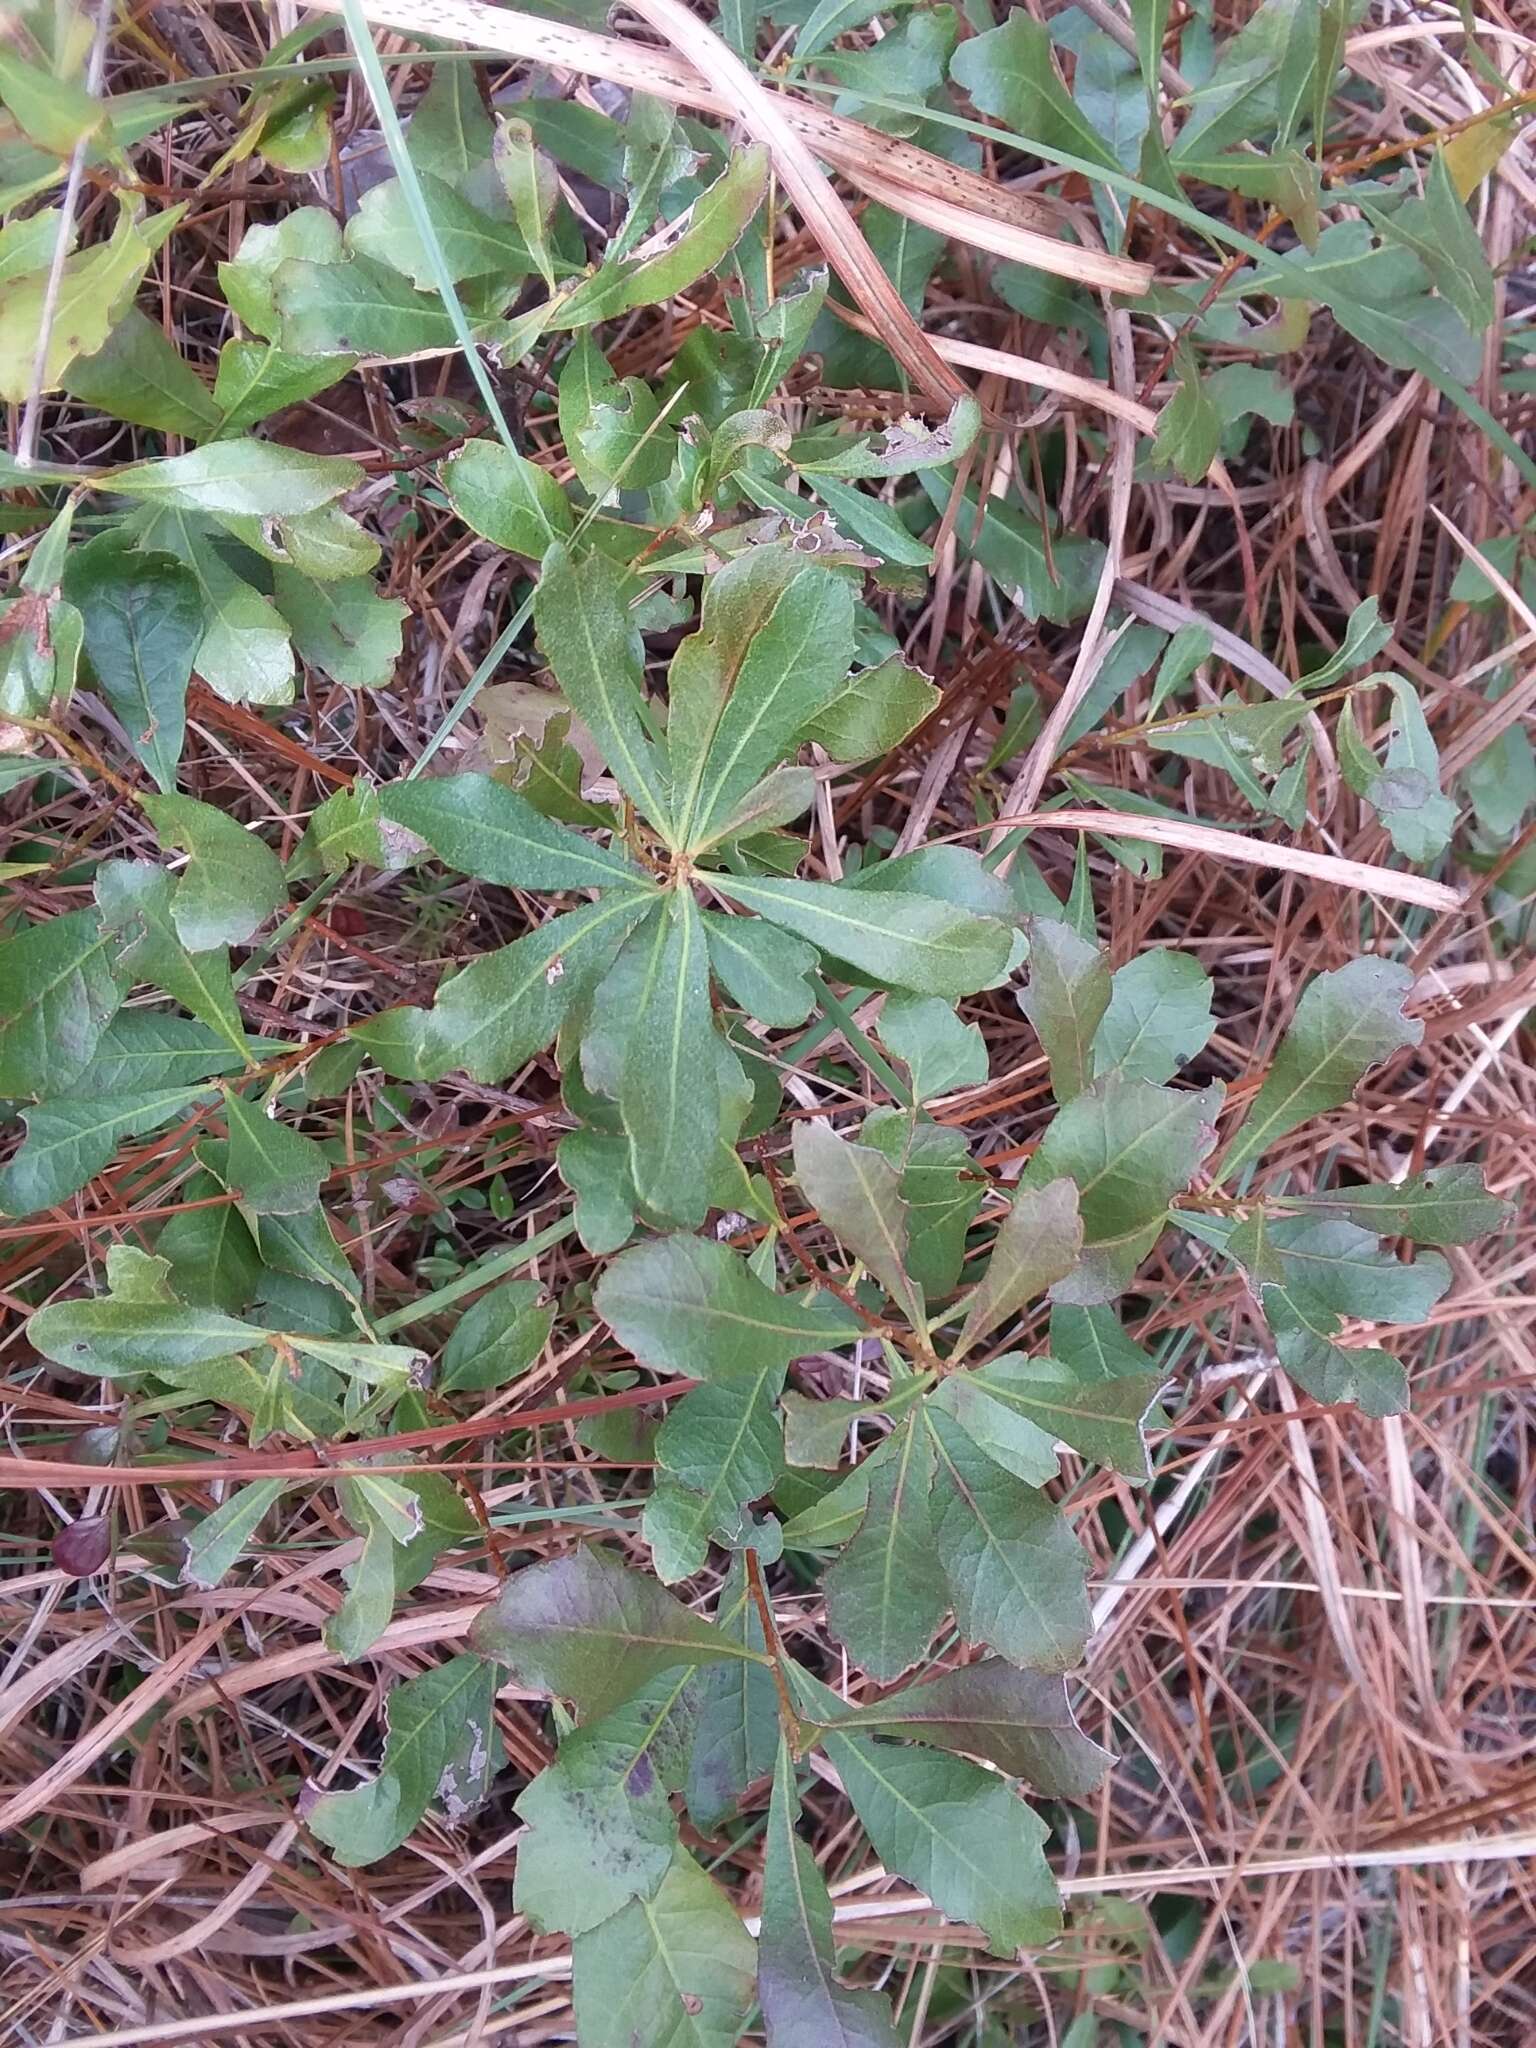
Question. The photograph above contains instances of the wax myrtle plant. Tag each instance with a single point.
(859, 1364)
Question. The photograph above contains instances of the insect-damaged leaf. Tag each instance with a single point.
(1446, 1205)
(1345, 1023)
(440, 1745)
(802, 2002)
(586, 1629)
(1159, 1016)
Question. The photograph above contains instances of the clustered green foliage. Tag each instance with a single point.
(655, 825)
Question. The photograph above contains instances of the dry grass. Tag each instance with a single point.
(1317, 1652)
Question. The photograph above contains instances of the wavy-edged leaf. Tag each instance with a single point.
(1446, 1205)
(68, 1141)
(137, 900)
(1159, 1016)
(439, 1746)
(1130, 1148)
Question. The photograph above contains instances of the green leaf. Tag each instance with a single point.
(275, 1170)
(256, 478)
(774, 644)
(961, 1835)
(496, 1339)
(940, 1052)
(584, 1628)
(1009, 1439)
(347, 829)
(669, 1087)
(1439, 231)
(439, 1746)
(1019, 1720)
(1036, 1245)
(611, 428)
(137, 900)
(95, 286)
(483, 828)
(451, 133)
(600, 1830)
(1346, 1022)
(232, 880)
(363, 308)
(369, 1601)
(507, 1005)
(940, 1190)
(899, 940)
(1189, 425)
(116, 1336)
(1446, 1205)
(215, 1544)
(875, 710)
(343, 628)
(1014, 1568)
(142, 1050)
(473, 245)
(1010, 72)
(1049, 575)
(1159, 1016)
(507, 499)
(763, 968)
(214, 1259)
(1406, 793)
(58, 991)
(68, 1141)
(137, 375)
(715, 224)
(736, 1731)
(143, 621)
(255, 380)
(674, 1971)
(1101, 1418)
(856, 1191)
(719, 1449)
(1065, 998)
(688, 1305)
(886, 1594)
(246, 279)
(1338, 1265)
(585, 631)
(244, 653)
(595, 1167)
(803, 2004)
(1130, 1148)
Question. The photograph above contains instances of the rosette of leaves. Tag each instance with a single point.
(688, 901)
